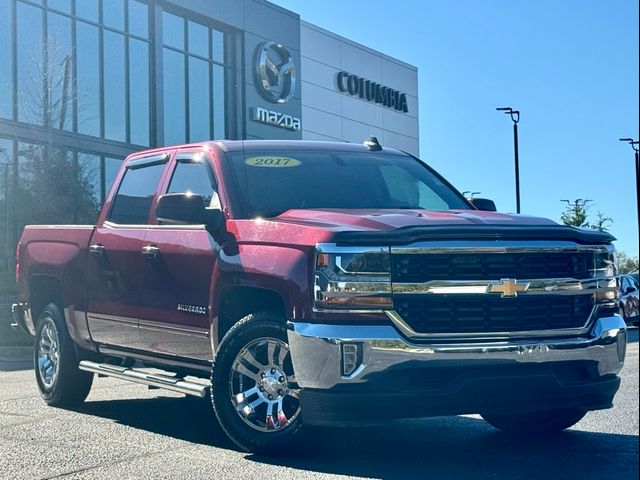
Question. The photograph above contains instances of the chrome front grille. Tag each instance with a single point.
(457, 289)
(412, 268)
(462, 314)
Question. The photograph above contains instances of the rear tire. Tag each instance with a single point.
(545, 421)
(60, 381)
(253, 392)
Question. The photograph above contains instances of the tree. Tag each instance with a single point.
(575, 213)
(625, 263)
(601, 222)
(55, 185)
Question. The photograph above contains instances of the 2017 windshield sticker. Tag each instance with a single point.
(272, 162)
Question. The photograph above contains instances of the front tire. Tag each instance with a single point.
(546, 421)
(254, 392)
(60, 381)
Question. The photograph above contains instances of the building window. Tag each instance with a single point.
(88, 78)
(7, 223)
(194, 81)
(6, 62)
(29, 63)
(115, 96)
(174, 97)
(81, 66)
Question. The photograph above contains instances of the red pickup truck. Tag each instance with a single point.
(317, 283)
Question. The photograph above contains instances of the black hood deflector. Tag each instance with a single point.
(412, 234)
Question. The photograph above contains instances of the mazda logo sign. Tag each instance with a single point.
(276, 72)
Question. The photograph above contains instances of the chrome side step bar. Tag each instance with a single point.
(152, 380)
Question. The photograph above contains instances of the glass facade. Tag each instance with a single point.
(194, 81)
(82, 66)
(84, 83)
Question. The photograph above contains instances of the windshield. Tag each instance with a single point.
(271, 183)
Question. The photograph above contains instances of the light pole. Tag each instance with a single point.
(515, 118)
(634, 145)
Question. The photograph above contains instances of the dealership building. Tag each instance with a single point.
(83, 83)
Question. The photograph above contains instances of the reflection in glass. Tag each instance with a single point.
(138, 19)
(62, 5)
(54, 187)
(111, 168)
(198, 39)
(88, 79)
(139, 91)
(217, 46)
(6, 80)
(89, 175)
(199, 121)
(173, 30)
(194, 178)
(59, 77)
(113, 13)
(29, 63)
(114, 86)
(174, 98)
(132, 203)
(7, 233)
(218, 103)
(87, 9)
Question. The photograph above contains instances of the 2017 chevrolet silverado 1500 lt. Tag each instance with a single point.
(321, 283)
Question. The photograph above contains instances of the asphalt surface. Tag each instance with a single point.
(126, 431)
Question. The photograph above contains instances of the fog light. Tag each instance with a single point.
(351, 358)
(622, 345)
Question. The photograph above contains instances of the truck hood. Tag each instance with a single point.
(395, 227)
(401, 227)
(386, 220)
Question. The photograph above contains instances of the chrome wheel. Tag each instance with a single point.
(262, 385)
(48, 354)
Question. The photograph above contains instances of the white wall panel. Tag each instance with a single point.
(328, 114)
(321, 122)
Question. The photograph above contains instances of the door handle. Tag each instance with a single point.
(97, 249)
(150, 251)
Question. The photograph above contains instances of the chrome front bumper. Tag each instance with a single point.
(316, 352)
(395, 378)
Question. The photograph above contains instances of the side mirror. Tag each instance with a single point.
(187, 209)
(483, 204)
(630, 289)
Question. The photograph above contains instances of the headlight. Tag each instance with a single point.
(604, 263)
(352, 278)
(604, 269)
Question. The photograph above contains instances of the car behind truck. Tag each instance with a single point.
(307, 283)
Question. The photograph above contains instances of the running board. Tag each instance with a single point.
(152, 380)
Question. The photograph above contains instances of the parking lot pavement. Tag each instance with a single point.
(125, 431)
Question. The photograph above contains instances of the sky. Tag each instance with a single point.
(570, 67)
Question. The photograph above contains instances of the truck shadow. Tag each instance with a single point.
(462, 448)
(444, 447)
(189, 419)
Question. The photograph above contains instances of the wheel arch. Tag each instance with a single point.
(239, 301)
(44, 289)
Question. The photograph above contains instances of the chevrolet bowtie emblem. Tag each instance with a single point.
(508, 287)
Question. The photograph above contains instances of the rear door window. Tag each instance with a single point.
(132, 203)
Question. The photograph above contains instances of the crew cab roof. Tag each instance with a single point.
(275, 145)
(269, 145)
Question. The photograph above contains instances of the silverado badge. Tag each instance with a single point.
(508, 287)
(192, 309)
